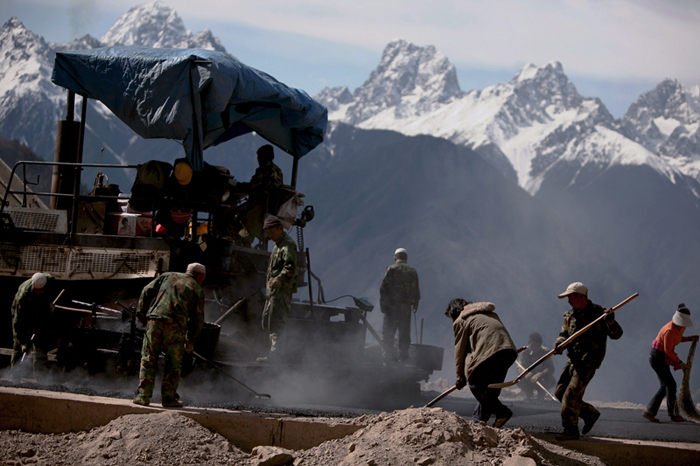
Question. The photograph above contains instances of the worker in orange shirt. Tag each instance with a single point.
(663, 355)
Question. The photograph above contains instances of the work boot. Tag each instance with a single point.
(140, 401)
(650, 417)
(588, 423)
(568, 434)
(172, 403)
(500, 421)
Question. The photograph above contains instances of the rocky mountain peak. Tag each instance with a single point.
(669, 99)
(152, 24)
(24, 56)
(15, 38)
(333, 97)
(546, 87)
(410, 80)
(155, 24)
(666, 120)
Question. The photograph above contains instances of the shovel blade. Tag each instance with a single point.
(503, 385)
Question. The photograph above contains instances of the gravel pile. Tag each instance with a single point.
(420, 436)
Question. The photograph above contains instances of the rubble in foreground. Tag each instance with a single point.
(421, 436)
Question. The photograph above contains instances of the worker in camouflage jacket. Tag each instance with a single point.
(586, 354)
(261, 193)
(543, 373)
(281, 285)
(399, 294)
(31, 320)
(172, 306)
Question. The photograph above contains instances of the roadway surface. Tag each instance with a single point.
(538, 417)
(619, 423)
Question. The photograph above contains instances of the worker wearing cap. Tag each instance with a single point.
(172, 306)
(586, 354)
(31, 313)
(543, 373)
(281, 285)
(663, 355)
(398, 295)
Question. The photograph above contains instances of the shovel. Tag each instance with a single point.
(538, 383)
(40, 325)
(684, 402)
(563, 345)
(441, 396)
(257, 395)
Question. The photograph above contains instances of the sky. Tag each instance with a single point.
(612, 49)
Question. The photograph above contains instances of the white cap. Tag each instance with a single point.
(682, 316)
(38, 281)
(575, 287)
(400, 250)
(196, 267)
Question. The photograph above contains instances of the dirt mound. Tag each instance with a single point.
(422, 436)
(164, 438)
(432, 436)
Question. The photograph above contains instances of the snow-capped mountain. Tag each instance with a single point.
(666, 121)
(156, 25)
(30, 104)
(410, 81)
(527, 127)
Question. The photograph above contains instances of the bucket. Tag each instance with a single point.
(208, 340)
(426, 357)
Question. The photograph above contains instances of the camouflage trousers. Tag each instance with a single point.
(274, 318)
(38, 356)
(169, 338)
(570, 389)
(396, 318)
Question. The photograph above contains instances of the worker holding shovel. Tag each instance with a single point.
(542, 377)
(32, 311)
(662, 356)
(585, 354)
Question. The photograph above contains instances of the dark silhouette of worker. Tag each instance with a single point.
(261, 192)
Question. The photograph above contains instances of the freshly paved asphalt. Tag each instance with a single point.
(619, 423)
(539, 417)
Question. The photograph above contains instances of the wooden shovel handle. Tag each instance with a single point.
(564, 344)
(441, 396)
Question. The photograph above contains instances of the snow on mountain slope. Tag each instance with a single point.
(30, 104)
(666, 120)
(155, 24)
(409, 81)
(531, 123)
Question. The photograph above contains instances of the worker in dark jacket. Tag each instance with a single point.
(585, 354)
(172, 306)
(399, 295)
(543, 373)
(483, 353)
(31, 315)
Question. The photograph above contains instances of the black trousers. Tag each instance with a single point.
(493, 370)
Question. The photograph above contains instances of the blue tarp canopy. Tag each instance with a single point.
(200, 97)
